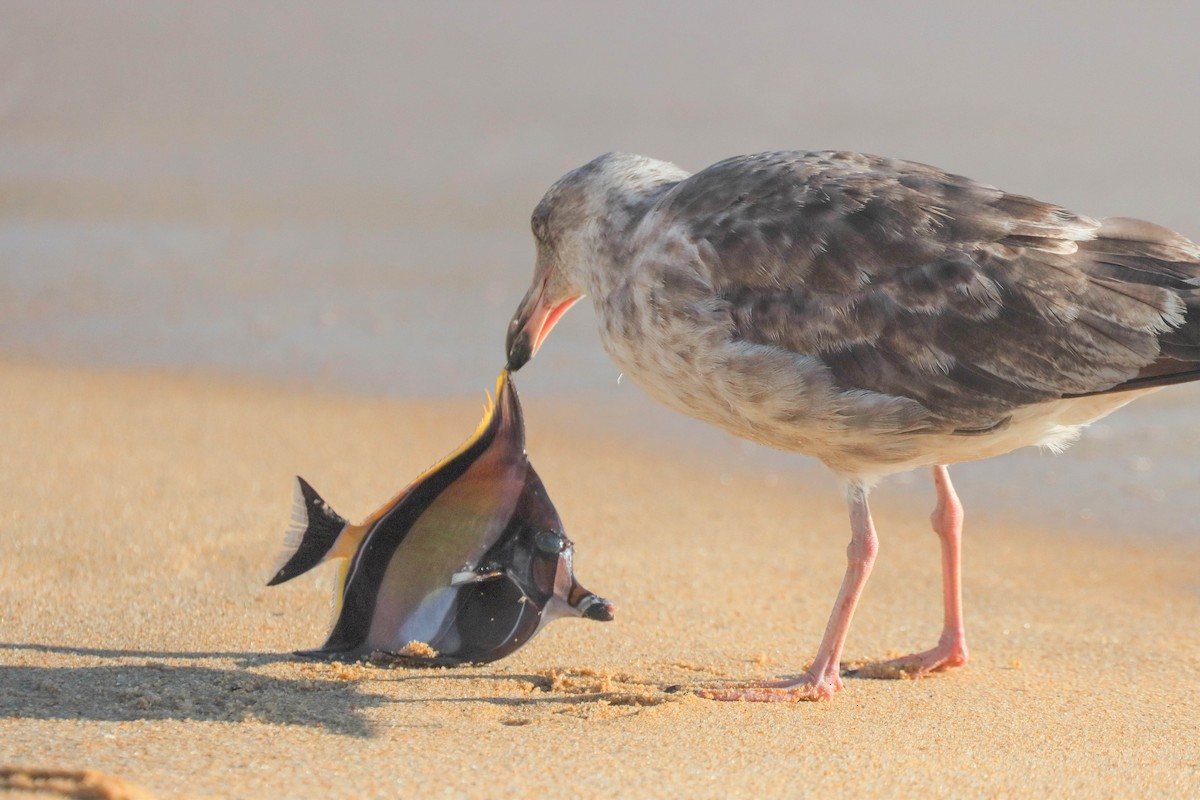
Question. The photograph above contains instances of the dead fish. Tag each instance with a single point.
(470, 559)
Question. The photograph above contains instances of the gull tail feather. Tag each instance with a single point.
(314, 530)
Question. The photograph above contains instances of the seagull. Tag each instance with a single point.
(878, 314)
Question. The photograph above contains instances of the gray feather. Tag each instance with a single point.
(917, 283)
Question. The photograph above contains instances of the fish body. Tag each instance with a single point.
(470, 559)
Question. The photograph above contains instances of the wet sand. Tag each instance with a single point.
(143, 513)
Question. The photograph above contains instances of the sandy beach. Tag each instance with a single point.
(143, 515)
(327, 206)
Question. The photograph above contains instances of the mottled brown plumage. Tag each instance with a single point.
(912, 282)
(874, 313)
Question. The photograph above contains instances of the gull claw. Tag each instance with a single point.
(807, 688)
(946, 655)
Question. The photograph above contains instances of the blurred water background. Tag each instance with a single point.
(337, 194)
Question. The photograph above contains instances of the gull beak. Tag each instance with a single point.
(532, 323)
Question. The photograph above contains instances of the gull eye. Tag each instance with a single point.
(550, 542)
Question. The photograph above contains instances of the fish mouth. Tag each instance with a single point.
(597, 608)
(532, 323)
(590, 606)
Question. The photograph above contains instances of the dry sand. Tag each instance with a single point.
(142, 514)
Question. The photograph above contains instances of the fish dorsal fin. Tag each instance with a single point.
(490, 414)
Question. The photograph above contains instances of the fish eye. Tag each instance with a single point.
(550, 542)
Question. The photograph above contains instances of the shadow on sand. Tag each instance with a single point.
(152, 690)
(137, 687)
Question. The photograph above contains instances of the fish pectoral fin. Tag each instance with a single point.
(477, 575)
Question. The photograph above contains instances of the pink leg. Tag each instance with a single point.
(951, 649)
(824, 676)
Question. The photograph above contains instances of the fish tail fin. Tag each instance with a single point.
(314, 530)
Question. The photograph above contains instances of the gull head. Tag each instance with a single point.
(582, 229)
